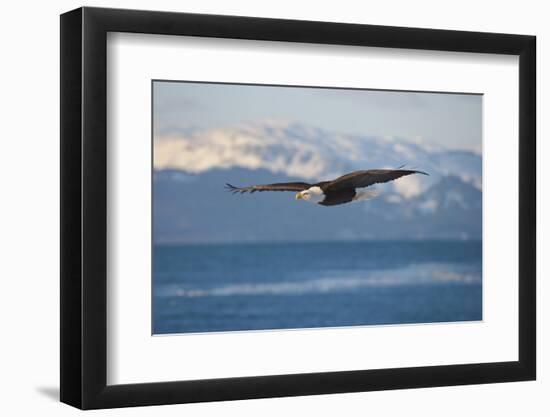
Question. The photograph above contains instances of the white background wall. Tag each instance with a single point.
(29, 237)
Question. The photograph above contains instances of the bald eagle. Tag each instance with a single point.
(332, 193)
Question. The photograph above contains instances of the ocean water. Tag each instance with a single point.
(259, 286)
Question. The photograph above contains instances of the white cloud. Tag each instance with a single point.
(408, 187)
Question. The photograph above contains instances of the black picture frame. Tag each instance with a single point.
(84, 207)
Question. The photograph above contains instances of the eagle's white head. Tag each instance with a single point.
(312, 195)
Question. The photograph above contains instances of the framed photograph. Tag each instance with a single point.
(258, 208)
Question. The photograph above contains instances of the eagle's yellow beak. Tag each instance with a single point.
(299, 196)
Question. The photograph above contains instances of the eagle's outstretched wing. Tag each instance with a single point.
(282, 186)
(359, 179)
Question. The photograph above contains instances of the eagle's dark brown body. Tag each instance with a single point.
(336, 197)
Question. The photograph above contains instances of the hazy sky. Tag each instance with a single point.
(449, 120)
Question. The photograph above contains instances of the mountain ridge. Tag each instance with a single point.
(196, 209)
(309, 153)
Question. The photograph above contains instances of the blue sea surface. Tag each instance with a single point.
(259, 286)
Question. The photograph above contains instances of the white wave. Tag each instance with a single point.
(412, 275)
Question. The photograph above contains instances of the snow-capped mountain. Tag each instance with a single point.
(192, 167)
(303, 152)
(450, 193)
